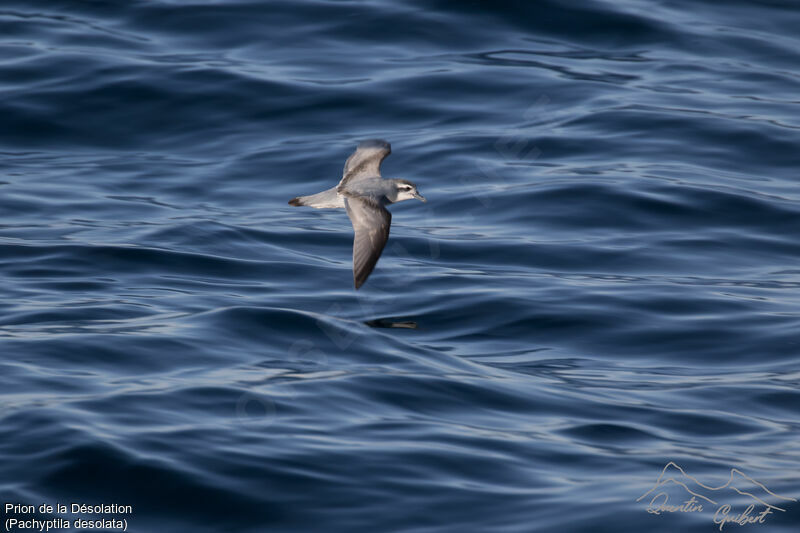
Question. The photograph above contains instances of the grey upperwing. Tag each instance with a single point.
(366, 161)
(371, 222)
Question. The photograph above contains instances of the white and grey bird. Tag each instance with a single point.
(365, 195)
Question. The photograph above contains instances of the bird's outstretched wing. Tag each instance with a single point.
(371, 223)
(366, 161)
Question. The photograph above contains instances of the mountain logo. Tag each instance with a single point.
(696, 497)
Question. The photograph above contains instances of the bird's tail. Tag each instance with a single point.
(329, 199)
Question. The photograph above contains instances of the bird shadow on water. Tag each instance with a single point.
(391, 323)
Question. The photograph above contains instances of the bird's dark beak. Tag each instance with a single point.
(419, 197)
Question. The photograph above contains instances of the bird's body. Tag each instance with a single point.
(365, 195)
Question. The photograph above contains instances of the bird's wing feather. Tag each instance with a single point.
(371, 223)
(366, 161)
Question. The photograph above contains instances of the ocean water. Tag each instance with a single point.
(605, 278)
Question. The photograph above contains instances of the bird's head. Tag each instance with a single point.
(405, 190)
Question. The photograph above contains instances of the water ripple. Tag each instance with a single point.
(604, 278)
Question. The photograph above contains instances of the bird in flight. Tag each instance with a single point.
(365, 195)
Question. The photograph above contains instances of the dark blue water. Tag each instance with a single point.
(605, 278)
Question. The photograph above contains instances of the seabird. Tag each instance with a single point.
(365, 195)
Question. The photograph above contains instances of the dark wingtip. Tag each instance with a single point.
(360, 280)
(295, 201)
